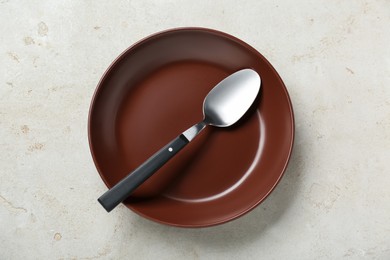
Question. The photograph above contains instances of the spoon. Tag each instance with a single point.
(223, 106)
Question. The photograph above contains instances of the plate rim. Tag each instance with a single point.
(220, 34)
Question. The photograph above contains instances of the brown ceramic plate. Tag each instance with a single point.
(154, 91)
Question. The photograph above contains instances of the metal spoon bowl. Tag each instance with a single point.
(223, 106)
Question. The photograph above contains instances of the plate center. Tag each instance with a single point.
(159, 108)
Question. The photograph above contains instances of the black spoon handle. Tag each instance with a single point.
(111, 198)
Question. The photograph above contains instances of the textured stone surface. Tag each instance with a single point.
(333, 202)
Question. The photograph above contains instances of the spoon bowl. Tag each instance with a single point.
(228, 101)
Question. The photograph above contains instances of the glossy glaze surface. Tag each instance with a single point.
(153, 92)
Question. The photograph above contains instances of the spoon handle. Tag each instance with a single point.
(111, 198)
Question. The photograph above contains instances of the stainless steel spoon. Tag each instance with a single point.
(224, 105)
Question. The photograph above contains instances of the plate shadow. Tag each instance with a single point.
(244, 229)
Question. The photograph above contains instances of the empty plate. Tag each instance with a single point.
(154, 91)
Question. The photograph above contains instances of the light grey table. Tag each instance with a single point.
(334, 200)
